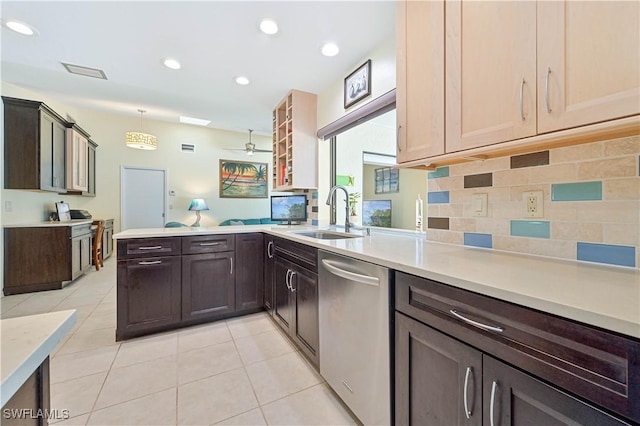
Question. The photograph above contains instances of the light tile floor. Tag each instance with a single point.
(242, 371)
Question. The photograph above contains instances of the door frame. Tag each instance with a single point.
(165, 202)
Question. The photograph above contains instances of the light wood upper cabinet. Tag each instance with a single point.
(295, 142)
(490, 72)
(588, 62)
(77, 160)
(420, 78)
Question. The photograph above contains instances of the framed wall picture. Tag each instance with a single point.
(243, 179)
(387, 180)
(357, 85)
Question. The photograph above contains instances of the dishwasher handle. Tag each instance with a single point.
(332, 266)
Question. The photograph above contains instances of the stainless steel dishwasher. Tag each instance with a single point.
(354, 334)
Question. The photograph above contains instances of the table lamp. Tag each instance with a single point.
(197, 205)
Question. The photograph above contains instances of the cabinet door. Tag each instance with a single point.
(91, 170)
(490, 72)
(304, 287)
(514, 398)
(77, 151)
(249, 272)
(52, 154)
(207, 285)
(148, 295)
(76, 258)
(268, 273)
(85, 253)
(438, 378)
(282, 311)
(588, 62)
(58, 157)
(420, 74)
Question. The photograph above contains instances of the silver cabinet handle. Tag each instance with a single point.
(150, 248)
(494, 386)
(287, 280)
(293, 273)
(546, 90)
(476, 323)
(347, 386)
(210, 244)
(522, 100)
(270, 250)
(332, 266)
(467, 412)
(398, 138)
(231, 268)
(147, 262)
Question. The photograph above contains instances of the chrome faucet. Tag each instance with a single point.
(332, 191)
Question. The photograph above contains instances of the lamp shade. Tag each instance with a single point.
(140, 140)
(198, 204)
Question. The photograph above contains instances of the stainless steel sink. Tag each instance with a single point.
(327, 235)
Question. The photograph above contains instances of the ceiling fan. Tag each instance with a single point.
(250, 147)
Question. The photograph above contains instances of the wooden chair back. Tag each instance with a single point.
(96, 250)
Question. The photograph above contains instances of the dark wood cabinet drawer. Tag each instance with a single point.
(145, 247)
(301, 254)
(600, 366)
(207, 244)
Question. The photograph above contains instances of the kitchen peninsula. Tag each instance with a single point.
(597, 300)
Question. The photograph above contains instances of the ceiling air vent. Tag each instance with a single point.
(85, 71)
(187, 147)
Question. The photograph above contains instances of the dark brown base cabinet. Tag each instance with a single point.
(269, 261)
(249, 272)
(208, 288)
(31, 404)
(296, 295)
(45, 257)
(531, 369)
(205, 278)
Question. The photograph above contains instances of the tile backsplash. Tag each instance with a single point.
(590, 203)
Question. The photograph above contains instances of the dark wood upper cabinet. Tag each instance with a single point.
(249, 272)
(34, 146)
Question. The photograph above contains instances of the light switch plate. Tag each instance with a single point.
(479, 204)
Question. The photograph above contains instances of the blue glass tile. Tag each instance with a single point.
(314, 222)
(579, 191)
(478, 240)
(606, 253)
(439, 172)
(530, 228)
(314, 195)
(438, 197)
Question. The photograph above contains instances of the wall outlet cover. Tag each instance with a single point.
(533, 203)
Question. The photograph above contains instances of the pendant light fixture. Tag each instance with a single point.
(141, 140)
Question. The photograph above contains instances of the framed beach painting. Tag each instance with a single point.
(243, 179)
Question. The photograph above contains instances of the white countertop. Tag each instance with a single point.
(600, 295)
(26, 342)
(73, 222)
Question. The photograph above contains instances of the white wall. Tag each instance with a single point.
(190, 175)
(331, 107)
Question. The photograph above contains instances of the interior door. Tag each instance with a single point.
(143, 203)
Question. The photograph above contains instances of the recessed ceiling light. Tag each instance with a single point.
(171, 63)
(20, 27)
(330, 49)
(268, 26)
(241, 80)
(196, 121)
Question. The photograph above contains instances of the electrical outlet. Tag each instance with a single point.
(8, 206)
(533, 202)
